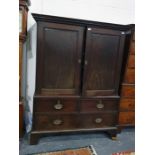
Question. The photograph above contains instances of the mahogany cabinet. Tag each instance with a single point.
(78, 72)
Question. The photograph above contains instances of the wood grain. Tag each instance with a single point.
(128, 90)
(129, 76)
(126, 118)
(127, 104)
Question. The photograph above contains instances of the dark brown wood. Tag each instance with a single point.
(104, 49)
(112, 134)
(99, 105)
(34, 138)
(132, 48)
(103, 120)
(59, 59)
(78, 74)
(57, 105)
(54, 122)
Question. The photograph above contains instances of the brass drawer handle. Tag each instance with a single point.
(100, 105)
(58, 105)
(57, 122)
(98, 120)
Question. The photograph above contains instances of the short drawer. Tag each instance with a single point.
(99, 105)
(131, 61)
(129, 76)
(97, 120)
(127, 104)
(55, 105)
(54, 122)
(126, 118)
(128, 90)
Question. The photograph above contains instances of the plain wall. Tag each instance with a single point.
(110, 11)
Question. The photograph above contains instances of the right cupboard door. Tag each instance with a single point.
(103, 60)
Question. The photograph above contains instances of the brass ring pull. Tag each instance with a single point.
(98, 120)
(100, 105)
(57, 122)
(58, 105)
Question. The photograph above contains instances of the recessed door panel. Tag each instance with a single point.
(59, 55)
(103, 58)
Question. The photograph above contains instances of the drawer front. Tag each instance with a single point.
(99, 105)
(131, 61)
(127, 104)
(130, 76)
(55, 105)
(54, 122)
(128, 91)
(127, 118)
(97, 120)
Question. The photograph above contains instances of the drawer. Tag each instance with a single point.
(128, 90)
(132, 47)
(127, 104)
(131, 61)
(97, 120)
(127, 118)
(98, 105)
(54, 122)
(129, 76)
(55, 105)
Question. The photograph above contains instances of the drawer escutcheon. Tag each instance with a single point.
(58, 105)
(98, 120)
(57, 122)
(100, 105)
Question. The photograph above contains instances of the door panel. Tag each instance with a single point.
(59, 52)
(103, 58)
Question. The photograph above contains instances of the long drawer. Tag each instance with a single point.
(55, 105)
(131, 61)
(55, 122)
(98, 105)
(128, 90)
(127, 118)
(127, 104)
(129, 76)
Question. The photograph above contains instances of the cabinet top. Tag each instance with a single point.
(80, 22)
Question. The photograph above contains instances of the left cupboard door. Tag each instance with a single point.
(59, 54)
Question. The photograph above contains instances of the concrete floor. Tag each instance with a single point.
(102, 144)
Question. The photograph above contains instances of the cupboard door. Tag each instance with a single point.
(103, 59)
(58, 59)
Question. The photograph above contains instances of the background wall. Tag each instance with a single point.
(110, 11)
